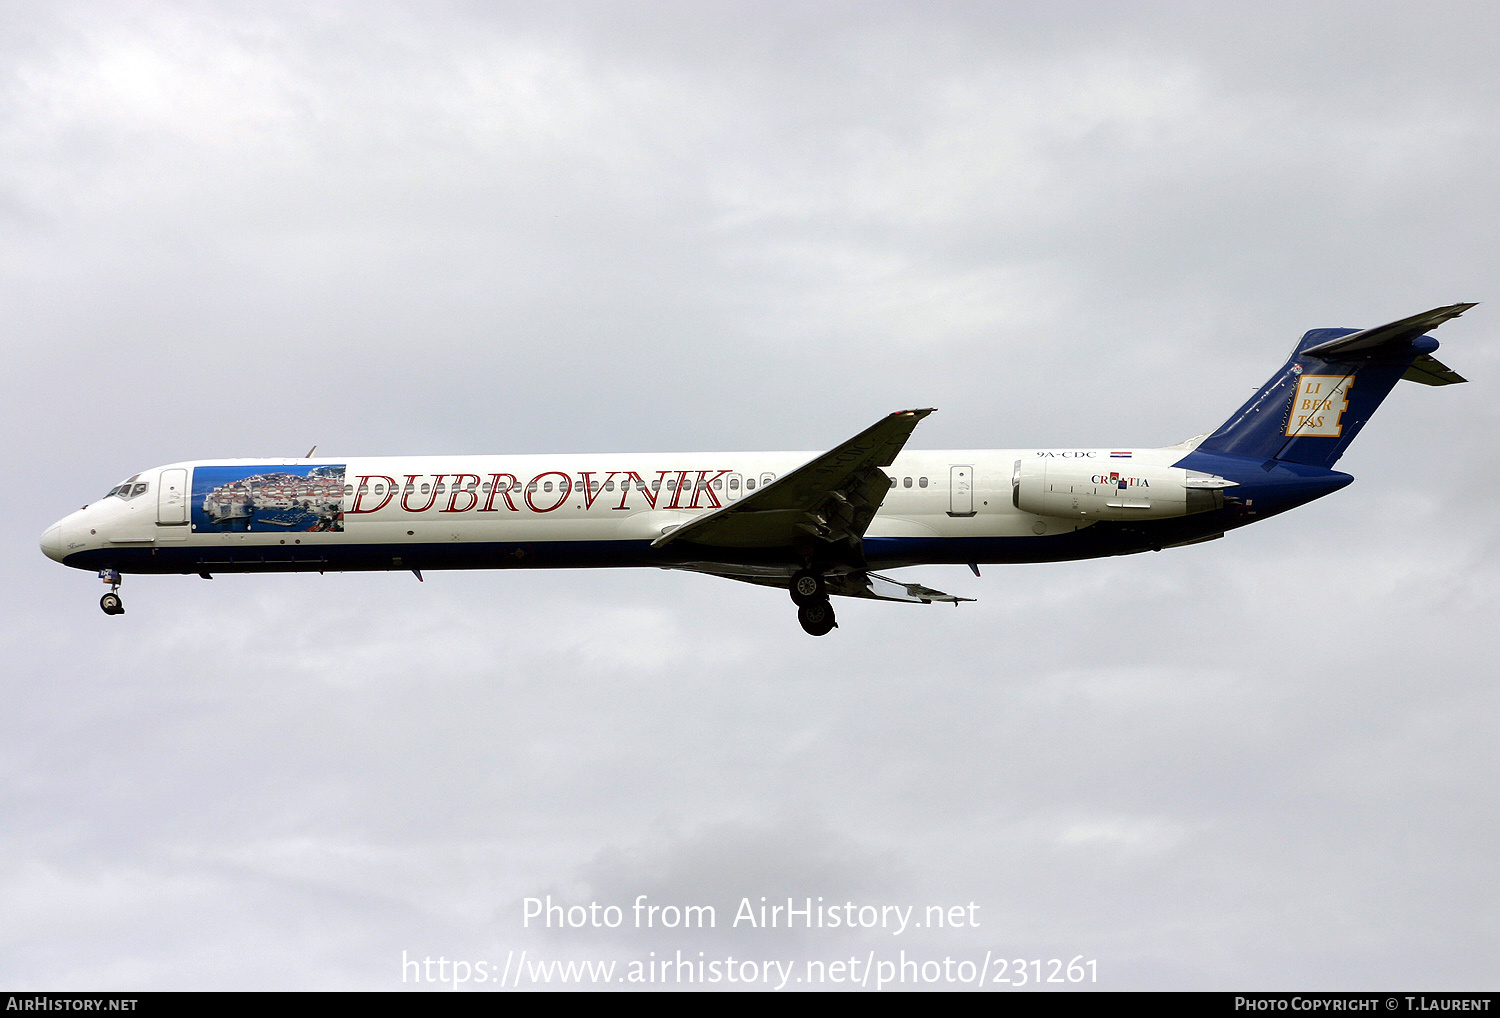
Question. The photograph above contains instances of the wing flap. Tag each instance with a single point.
(883, 588)
(851, 584)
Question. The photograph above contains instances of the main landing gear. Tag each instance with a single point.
(814, 611)
(111, 602)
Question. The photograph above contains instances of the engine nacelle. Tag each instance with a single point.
(1134, 491)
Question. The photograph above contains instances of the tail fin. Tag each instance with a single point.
(1313, 407)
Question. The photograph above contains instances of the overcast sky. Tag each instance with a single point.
(240, 229)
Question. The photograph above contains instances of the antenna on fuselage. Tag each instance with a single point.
(310, 452)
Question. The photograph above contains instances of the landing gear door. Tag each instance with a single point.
(172, 505)
(961, 491)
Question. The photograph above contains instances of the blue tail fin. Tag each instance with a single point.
(1334, 380)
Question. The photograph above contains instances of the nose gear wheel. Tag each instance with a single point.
(111, 602)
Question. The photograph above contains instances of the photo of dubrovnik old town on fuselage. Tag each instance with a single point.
(268, 499)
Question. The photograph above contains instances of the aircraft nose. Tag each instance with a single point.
(52, 544)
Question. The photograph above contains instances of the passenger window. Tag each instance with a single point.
(921, 482)
(656, 484)
(906, 482)
(734, 484)
(471, 486)
(348, 489)
(718, 484)
(546, 485)
(426, 488)
(609, 485)
(532, 486)
(749, 484)
(442, 489)
(380, 489)
(485, 486)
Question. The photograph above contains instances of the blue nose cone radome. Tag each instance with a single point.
(52, 545)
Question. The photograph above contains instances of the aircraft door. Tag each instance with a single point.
(172, 506)
(961, 491)
(736, 487)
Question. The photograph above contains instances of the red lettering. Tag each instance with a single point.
(411, 486)
(706, 484)
(653, 494)
(459, 489)
(640, 485)
(359, 493)
(589, 492)
(495, 489)
(677, 494)
(566, 487)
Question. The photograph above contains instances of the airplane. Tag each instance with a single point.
(816, 525)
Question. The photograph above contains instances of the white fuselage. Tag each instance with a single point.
(595, 499)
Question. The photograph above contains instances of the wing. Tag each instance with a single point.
(830, 499)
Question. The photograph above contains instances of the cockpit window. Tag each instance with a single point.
(128, 488)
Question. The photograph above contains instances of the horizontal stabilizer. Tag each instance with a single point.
(1373, 342)
(1428, 370)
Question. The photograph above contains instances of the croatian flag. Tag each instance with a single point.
(1119, 455)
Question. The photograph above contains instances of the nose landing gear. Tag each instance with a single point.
(111, 602)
